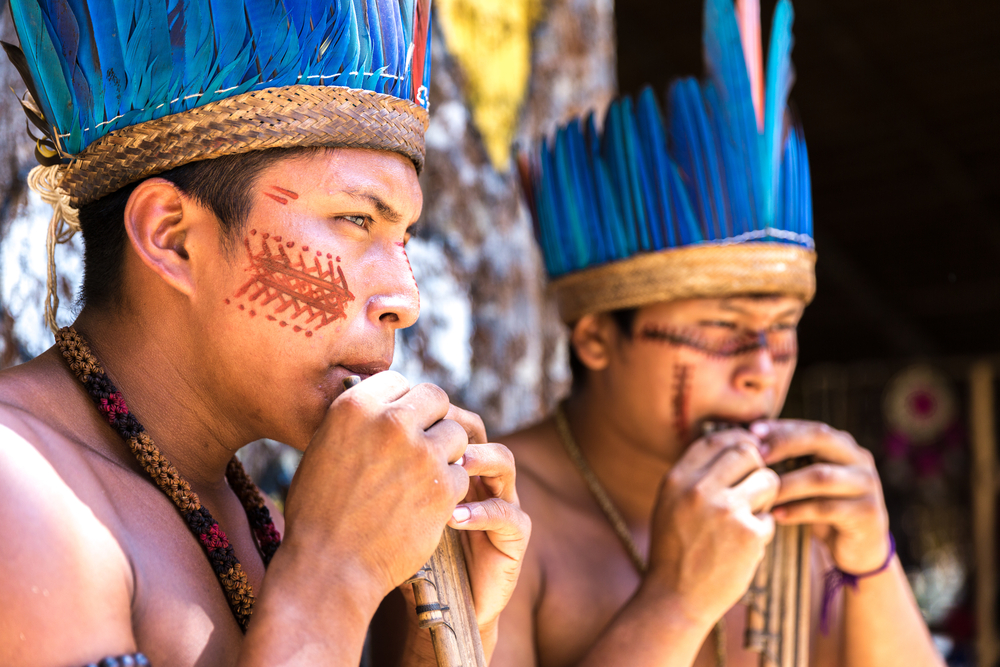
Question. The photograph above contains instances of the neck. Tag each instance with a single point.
(630, 471)
(156, 372)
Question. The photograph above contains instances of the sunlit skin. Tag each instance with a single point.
(700, 507)
(103, 564)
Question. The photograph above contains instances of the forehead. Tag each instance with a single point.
(360, 172)
(765, 307)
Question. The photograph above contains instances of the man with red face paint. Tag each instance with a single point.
(244, 234)
(682, 269)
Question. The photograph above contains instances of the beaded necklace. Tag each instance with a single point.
(227, 568)
(616, 520)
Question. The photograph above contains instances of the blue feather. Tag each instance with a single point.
(777, 84)
(56, 101)
(391, 37)
(728, 70)
(644, 180)
(806, 224)
(583, 185)
(654, 144)
(548, 216)
(683, 209)
(695, 153)
(63, 25)
(613, 154)
(569, 199)
(610, 218)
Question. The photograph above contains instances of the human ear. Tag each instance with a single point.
(157, 221)
(591, 341)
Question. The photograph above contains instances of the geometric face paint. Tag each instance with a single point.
(298, 288)
(782, 344)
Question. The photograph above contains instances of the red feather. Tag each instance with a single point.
(421, 26)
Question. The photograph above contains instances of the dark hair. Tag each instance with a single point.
(224, 185)
(625, 319)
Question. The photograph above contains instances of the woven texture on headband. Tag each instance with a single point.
(290, 117)
(703, 271)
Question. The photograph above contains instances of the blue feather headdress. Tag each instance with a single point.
(100, 65)
(711, 200)
(125, 89)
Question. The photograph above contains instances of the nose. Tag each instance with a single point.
(756, 372)
(396, 300)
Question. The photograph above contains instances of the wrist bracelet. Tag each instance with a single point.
(836, 579)
(130, 660)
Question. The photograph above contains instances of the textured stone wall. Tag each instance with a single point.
(486, 333)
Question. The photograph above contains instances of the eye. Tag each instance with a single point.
(785, 326)
(359, 220)
(718, 323)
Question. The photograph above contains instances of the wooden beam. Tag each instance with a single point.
(982, 424)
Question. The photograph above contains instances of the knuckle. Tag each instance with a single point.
(868, 457)
(698, 494)
(505, 458)
(673, 483)
(397, 419)
(503, 512)
(395, 377)
(823, 473)
(749, 451)
(771, 478)
(433, 391)
(825, 507)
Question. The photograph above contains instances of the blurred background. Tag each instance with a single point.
(900, 102)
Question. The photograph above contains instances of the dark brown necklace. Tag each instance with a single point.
(227, 568)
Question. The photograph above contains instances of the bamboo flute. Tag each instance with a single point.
(778, 601)
(781, 633)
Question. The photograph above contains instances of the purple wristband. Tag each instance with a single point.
(836, 579)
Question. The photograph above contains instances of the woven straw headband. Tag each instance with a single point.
(289, 117)
(701, 271)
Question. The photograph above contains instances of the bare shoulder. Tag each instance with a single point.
(550, 488)
(66, 582)
(546, 477)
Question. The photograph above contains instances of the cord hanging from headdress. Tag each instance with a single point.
(64, 224)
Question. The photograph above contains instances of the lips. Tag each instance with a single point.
(365, 368)
(743, 421)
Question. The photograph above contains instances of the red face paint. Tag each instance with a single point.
(402, 247)
(280, 195)
(302, 290)
(682, 381)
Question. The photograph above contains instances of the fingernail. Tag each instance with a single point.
(760, 429)
(461, 514)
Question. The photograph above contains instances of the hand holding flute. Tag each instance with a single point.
(445, 604)
(829, 487)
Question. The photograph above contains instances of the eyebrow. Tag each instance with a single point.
(384, 210)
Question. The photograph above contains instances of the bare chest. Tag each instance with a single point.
(588, 579)
(180, 615)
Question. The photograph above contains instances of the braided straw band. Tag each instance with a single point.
(701, 271)
(289, 117)
(221, 556)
